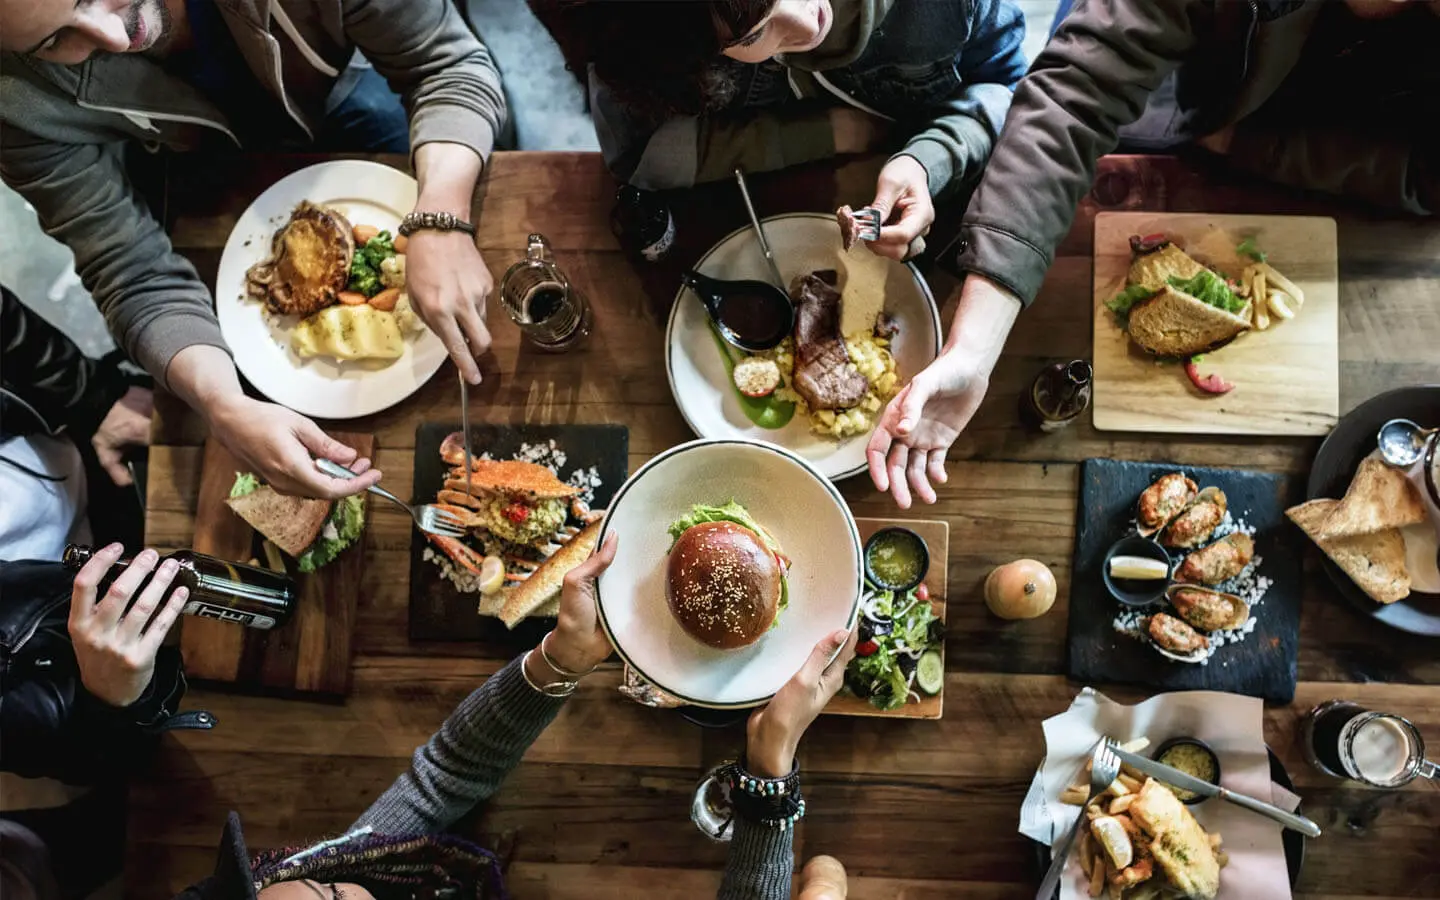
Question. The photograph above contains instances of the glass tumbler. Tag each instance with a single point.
(551, 312)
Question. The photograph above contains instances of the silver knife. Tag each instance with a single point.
(1179, 779)
(465, 431)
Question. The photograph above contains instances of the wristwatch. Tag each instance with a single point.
(442, 221)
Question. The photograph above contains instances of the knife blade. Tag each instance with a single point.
(1176, 778)
(465, 431)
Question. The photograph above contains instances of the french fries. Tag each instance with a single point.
(1271, 294)
(1141, 879)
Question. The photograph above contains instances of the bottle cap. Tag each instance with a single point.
(76, 555)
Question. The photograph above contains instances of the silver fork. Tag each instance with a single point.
(428, 518)
(1104, 767)
(868, 222)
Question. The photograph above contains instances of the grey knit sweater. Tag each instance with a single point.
(484, 738)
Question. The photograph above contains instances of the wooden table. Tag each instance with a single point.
(599, 808)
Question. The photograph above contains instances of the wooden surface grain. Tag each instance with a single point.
(598, 808)
(1286, 377)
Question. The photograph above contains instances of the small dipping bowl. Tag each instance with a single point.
(1196, 746)
(898, 553)
(1134, 591)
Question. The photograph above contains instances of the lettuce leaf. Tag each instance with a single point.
(1210, 288)
(245, 483)
(348, 520)
(1247, 248)
(1121, 303)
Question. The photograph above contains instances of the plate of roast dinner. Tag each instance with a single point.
(735, 558)
(863, 326)
(311, 292)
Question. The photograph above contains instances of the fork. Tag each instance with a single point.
(1104, 767)
(868, 222)
(428, 517)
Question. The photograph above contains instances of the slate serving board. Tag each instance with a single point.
(1264, 664)
(438, 612)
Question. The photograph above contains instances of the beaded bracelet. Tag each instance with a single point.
(773, 802)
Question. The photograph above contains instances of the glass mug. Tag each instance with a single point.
(1347, 740)
(550, 311)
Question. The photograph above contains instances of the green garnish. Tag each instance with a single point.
(1247, 248)
(365, 267)
(245, 483)
(1208, 287)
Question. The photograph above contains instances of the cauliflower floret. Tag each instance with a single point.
(405, 315)
(392, 272)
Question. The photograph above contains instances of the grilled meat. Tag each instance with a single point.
(824, 374)
(1219, 562)
(309, 262)
(849, 228)
(1174, 635)
(1161, 501)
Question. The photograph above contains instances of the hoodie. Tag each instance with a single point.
(941, 71)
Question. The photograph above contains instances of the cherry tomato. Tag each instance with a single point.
(923, 591)
(516, 512)
(866, 648)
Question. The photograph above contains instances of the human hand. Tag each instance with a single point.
(281, 446)
(855, 131)
(578, 642)
(449, 284)
(902, 195)
(774, 731)
(1219, 142)
(115, 649)
(127, 424)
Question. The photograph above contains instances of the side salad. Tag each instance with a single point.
(898, 650)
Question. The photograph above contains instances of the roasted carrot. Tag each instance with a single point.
(363, 233)
(386, 299)
(400, 243)
(352, 298)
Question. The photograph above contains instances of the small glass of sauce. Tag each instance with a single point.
(1193, 757)
(896, 559)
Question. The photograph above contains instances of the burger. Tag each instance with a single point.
(725, 581)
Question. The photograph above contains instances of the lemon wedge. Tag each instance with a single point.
(492, 575)
(1140, 568)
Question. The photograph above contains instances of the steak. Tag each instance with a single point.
(309, 262)
(824, 375)
(849, 228)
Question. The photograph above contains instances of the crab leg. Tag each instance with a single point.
(462, 555)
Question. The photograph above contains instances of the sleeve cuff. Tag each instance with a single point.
(451, 124)
(935, 159)
(761, 861)
(1005, 258)
(159, 344)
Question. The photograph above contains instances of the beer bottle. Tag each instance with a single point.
(230, 592)
(1059, 394)
(642, 222)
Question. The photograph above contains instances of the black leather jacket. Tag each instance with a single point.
(50, 725)
(47, 385)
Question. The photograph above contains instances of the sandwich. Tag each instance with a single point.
(519, 502)
(314, 532)
(725, 580)
(1374, 561)
(1173, 306)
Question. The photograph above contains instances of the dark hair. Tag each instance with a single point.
(661, 57)
(441, 862)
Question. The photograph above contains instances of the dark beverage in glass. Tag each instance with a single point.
(230, 592)
(537, 296)
(643, 223)
(1347, 740)
(1057, 397)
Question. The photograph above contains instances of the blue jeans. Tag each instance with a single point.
(364, 115)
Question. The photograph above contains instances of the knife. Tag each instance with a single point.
(1179, 779)
(465, 431)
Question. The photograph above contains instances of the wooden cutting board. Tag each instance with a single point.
(308, 655)
(936, 535)
(1286, 378)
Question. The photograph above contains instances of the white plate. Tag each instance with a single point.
(367, 194)
(802, 242)
(804, 512)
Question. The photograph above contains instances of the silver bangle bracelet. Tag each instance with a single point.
(559, 669)
(557, 689)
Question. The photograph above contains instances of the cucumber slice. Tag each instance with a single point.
(930, 672)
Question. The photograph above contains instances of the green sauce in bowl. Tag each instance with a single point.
(896, 559)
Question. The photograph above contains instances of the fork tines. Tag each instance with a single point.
(868, 224)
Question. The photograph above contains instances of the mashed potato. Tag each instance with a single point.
(871, 357)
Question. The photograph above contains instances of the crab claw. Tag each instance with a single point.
(452, 449)
(467, 516)
(462, 555)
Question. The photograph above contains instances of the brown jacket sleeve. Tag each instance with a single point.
(1092, 79)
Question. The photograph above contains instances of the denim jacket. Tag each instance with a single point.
(941, 70)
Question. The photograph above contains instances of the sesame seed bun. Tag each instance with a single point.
(723, 585)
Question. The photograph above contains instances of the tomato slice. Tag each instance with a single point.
(1210, 384)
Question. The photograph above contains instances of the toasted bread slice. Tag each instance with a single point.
(291, 523)
(1375, 562)
(1154, 270)
(513, 477)
(544, 583)
(1379, 498)
(1173, 323)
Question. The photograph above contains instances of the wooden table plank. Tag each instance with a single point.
(598, 808)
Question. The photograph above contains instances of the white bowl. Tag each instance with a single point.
(784, 493)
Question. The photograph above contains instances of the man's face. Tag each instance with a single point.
(71, 31)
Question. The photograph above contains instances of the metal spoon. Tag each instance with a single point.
(759, 231)
(1402, 442)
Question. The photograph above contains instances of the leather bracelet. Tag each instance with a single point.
(555, 689)
(559, 669)
(773, 802)
(431, 221)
